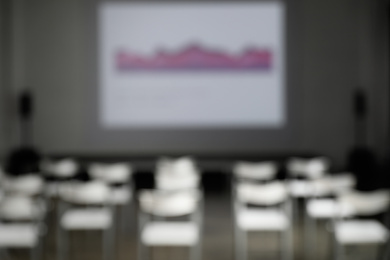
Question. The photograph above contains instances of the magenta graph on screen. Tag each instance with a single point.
(195, 58)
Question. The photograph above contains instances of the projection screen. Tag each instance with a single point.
(191, 65)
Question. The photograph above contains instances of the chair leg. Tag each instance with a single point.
(307, 236)
(241, 244)
(338, 250)
(295, 210)
(287, 252)
(62, 244)
(125, 217)
(36, 252)
(311, 237)
(62, 235)
(196, 251)
(109, 243)
(4, 254)
(386, 254)
(383, 252)
(142, 251)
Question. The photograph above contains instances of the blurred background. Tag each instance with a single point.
(199, 129)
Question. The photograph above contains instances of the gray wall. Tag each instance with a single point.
(8, 122)
(334, 46)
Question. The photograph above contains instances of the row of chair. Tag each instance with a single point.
(85, 200)
(330, 197)
(172, 213)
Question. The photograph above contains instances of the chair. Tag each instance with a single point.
(117, 176)
(301, 174)
(58, 172)
(354, 231)
(301, 171)
(157, 208)
(323, 206)
(22, 213)
(177, 174)
(85, 206)
(272, 213)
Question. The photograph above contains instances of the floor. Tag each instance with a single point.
(217, 240)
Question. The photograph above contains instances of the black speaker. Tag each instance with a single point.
(25, 104)
(359, 104)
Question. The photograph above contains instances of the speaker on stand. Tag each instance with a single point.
(26, 158)
(361, 159)
(25, 111)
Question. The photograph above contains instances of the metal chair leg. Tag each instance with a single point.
(123, 218)
(339, 252)
(142, 251)
(311, 236)
(62, 244)
(4, 254)
(307, 237)
(196, 251)
(287, 244)
(383, 252)
(109, 243)
(125, 210)
(386, 254)
(237, 249)
(36, 252)
(241, 244)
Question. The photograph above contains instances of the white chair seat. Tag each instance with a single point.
(262, 219)
(21, 208)
(300, 188)
(170, 234)
(120, 195)
(18, 235)
(322, 208)
(93, 192)
(29, 185)
(367, 203)
(95, 218)
(361, 232)
(328, 208)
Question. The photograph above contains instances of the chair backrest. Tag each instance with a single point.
(366, 203)
(255, 170)
(88, 193)
(169, 204)
(28, 185)
(310, 168)
(177, 174)
(262, 194)
(181, 167)
(61, 168)
(110, 173)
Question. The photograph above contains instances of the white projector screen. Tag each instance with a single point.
(198, 65)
